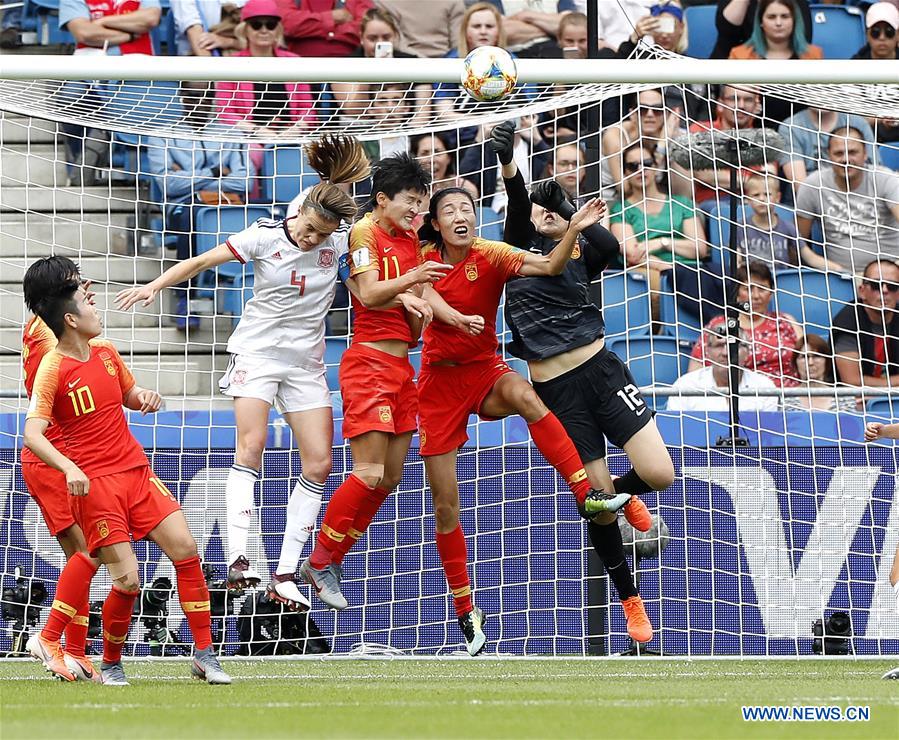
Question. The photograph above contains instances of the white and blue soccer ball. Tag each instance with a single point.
(489, 73)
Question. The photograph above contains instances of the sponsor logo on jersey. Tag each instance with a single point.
(239, 377)
(74, 382)
(326, 258)
(361, 257)
(103, 529)
(104, 355)
(576, 252)
(277, 255)
(471, 271)
(384, 414)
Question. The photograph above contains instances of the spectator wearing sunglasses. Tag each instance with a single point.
(866, 334)
(882, 36)
(857, 205)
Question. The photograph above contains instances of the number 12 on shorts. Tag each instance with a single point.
(630, 394)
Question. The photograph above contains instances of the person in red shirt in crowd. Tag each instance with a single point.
(81, 386)
(323, 28)
(462, 374)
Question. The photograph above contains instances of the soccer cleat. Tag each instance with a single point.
(284, 589)
(112, 674)
(472, 626)
(51, 655)
(82, 668)
(241, 575)
(598, 502)
(326, 584)
(638, 625)
(206, 667)
(893, 674)
(637, 514)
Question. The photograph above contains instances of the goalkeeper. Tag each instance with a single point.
(559, 331)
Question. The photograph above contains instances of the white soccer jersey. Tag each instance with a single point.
(292, 293)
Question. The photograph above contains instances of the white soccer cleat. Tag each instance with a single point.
(284, 589)
(82, 668)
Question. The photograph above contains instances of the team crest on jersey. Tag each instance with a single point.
(384, 414)
(423, 438)
(326, 258)
(471, 271)
(576, 252)
(103, 529)
(239, 377)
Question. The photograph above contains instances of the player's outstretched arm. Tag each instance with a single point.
(875, 430)
(77, 482)
(374, 293)
(180, 273)
(537, 265)
(446, 314)
(143, 400)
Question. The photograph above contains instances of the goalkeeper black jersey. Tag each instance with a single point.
(551, 315)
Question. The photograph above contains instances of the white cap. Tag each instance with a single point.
(882, 13)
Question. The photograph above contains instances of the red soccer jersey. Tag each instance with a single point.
(372, 248)
(38, 340)
(85, 400)
(472, 287)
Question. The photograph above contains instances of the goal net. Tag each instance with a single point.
(759, 541)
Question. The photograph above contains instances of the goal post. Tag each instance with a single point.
(759, 542)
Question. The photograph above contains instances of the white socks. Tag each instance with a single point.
(239, 495)
(302, 511)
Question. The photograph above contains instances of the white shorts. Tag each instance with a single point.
(286, 387)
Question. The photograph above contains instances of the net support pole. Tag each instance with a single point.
(732, 313)
(592, 112)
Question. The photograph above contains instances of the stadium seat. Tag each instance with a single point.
(888, 156)
(490, 224)
(701, 31)
(235, 296)
(676, 323)
(885, 406)
(214, 224)
(812, 297)
(838, 30)
(334, 349)
(653, 359)
(285, 174)
(625, 302)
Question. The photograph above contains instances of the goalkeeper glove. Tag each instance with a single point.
(502, 139)
(550, 196)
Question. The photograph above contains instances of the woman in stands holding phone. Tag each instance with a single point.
(277, 352)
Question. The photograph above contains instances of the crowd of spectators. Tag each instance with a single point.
(826, 203)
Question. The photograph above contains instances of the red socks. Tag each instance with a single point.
(556, 446)
(368, 507)
(76, 632)
(339, 518)
(194, 597)
(116, 622)
(454, 556)
(71, 596)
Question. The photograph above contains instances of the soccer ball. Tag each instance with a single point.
(489, 73)
(647, 544)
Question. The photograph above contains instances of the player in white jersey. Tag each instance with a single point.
(277, 352)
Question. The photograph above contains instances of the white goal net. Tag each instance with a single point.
(760, 540)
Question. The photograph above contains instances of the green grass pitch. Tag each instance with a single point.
(433, 698)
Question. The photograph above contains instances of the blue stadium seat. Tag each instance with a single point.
(490, 224)
(334, 349)
(233, 297)
(682, 325)
(838, 30)
(888, 156)
(653, 359)
(625, 302)
(285, 174)
(701, 31)
(214, 224)
(812, 297)
(885, 406)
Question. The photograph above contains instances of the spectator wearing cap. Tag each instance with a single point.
(665, 26)
(323, 28)
(264, 108)
(882, 34)
(713, 379)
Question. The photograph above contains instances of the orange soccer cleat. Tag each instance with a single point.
(638, 624)
(51, 655)
(637, 514)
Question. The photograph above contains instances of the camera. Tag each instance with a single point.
(21, 607)
(153, 615)
(832, 635)
(221, 603)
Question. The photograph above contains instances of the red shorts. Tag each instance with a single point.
(448, 394)
(378, 392)
(121, 505)
(48, 488)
